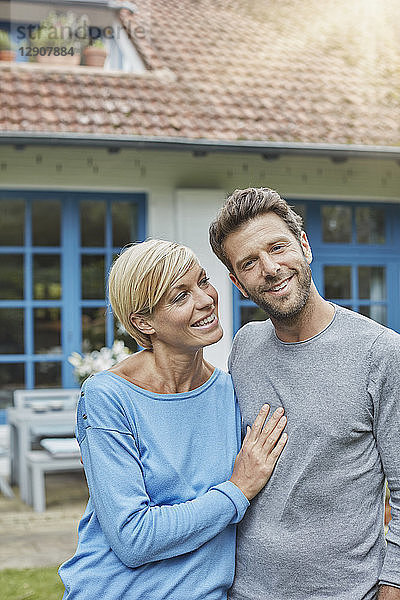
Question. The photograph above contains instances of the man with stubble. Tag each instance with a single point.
(316, 531)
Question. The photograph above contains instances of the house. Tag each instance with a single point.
(197, 98)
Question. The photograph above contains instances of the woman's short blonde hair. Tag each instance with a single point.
(139, 278)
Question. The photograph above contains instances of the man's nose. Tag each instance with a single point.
(269, 265)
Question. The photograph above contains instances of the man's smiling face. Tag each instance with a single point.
(271, 266)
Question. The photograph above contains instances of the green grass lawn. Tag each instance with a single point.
(31, 584)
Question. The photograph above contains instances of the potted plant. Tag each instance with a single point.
(61, 38)
(95, 54)
(7, 48)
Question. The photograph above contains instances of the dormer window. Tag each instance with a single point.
(24, 23)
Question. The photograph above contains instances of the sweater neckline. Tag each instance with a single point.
(177, 396)
(312, 338)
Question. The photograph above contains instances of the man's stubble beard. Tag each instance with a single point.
(296, 307)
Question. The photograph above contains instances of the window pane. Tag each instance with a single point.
(93, 328)
(93, 283)
(12, 222)
(336, 224)
(121, 334)
(300, 209)
(93, 215)
(12, 276)
(12, 377)
(47, 374)
(46, 277)
(377, 312)
(251, 313)
(370, 223)
(47, 328)
(11, 331)
(124, 223)
(337, 282)
(46, 222)
(372, 283)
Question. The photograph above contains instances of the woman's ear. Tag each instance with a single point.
(305, 246)
(142, 324)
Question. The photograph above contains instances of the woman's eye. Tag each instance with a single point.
(205, 281)
(180, 297)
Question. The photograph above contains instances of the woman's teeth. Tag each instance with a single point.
(206, 321)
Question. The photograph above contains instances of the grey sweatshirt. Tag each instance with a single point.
(316, 530)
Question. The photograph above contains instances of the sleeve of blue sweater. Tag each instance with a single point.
(137, 531)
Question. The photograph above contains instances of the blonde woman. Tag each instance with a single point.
(159, 435)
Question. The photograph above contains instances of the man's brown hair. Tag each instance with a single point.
(242, 206)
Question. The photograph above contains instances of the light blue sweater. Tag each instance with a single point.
(160, 521)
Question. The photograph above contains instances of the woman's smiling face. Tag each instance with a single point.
(187, 316)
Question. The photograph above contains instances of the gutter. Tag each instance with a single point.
(113, 4)
(200, 147)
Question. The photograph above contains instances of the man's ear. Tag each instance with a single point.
(305, 246)
(142, 324)
(239, 287)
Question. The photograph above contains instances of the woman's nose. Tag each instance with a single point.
(203, 299)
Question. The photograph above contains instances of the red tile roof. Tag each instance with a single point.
(286, 70)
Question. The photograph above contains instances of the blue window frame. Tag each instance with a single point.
(55, 250)
(356, 259)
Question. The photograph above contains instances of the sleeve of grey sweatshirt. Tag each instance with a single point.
(384, 387)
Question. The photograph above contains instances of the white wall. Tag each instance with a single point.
(194, 210)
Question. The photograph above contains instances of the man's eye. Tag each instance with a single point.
(248, 264)
(278, 248)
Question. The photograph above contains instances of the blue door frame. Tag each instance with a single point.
(70, 252)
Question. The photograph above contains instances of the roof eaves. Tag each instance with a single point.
(115, 4)
(269, 150)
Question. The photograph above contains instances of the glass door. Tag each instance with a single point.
(360, 287)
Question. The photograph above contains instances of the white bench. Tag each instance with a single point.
(5, 489)
(42, 399)
(37, 414)
(39, 463)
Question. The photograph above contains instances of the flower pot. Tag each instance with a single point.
(95, 57)
(8, 55)
(59, 60)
